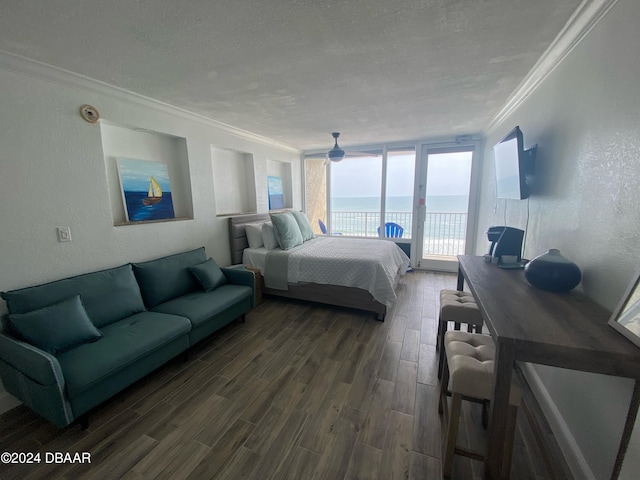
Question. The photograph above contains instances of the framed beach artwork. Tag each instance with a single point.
(626, 317)
(276, 195)
(146, 190)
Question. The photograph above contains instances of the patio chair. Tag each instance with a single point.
(392, 230)
(323, 228)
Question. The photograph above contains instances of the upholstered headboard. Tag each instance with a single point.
(238, 234)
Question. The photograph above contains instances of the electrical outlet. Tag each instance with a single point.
(64, 234)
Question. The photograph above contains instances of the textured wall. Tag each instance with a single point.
(52, 173)
(586, 119)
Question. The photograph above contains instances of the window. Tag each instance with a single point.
(355, 196)
(363, 192)
(401, 166)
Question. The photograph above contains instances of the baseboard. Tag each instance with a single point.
(567, 442)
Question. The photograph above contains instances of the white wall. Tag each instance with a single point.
(52, 173)
(585, 116)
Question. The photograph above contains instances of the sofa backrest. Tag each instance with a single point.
(168, 277)
(107, 295)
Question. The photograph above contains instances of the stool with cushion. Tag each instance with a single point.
(457, 307)
(468, 372)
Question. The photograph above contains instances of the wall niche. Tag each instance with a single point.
(233, 182)
(276, 168)
(140, 144)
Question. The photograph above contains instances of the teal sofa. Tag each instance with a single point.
(71, 344)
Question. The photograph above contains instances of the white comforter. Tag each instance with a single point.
(369, 264)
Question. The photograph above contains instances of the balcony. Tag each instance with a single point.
(444, 233)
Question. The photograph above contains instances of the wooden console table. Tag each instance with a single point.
(564, 330)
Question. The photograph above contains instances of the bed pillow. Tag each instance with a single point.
(56, 328)
(209, 275)
(287, 230)
(269, 236)
(254, 235)
(304, 225)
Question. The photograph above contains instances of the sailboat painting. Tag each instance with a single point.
(146, 191)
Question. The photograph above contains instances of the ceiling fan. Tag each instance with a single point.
(337, 154)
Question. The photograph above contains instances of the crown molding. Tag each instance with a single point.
(66, 78)
(587, 15)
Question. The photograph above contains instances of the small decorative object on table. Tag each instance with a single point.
(553, 272)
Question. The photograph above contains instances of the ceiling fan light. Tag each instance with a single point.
(336, 154)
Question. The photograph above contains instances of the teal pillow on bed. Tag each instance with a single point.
(287, 230)
(56, 328)
(209, 275)
(305, 226)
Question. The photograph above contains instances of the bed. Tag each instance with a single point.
(347, 272)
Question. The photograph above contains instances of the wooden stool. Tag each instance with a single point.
(457, 307)
(468, 371)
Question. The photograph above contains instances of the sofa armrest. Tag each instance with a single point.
(238, 275)
(35, 378)
(33, 362)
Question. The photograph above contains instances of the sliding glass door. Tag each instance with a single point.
(444, 194)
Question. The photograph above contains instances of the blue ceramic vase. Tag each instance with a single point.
(553, 272)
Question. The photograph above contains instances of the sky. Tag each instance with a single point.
(448, 174)
(135, 174)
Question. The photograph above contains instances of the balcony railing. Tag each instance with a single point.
(444, 233)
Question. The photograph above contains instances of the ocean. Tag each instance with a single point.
(434, 203)
(137, 211)
(444, 228)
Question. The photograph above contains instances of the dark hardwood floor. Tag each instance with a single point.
(299, 391)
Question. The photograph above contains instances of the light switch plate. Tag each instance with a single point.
(64, 234)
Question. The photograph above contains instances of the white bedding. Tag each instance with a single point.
(255, 258)
(369, 264)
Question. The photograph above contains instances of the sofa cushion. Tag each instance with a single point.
(107, 295)
(56, 328)
(209, 275)
(124, 343)
(168, 277)
(201, 306)
(287, 230)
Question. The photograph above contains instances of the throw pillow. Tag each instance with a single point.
(287, 230)
(209, 275)
(305, 226)
(254, 235)
(56, 328)
(269, 236)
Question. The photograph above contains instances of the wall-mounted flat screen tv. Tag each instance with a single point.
(511, 162)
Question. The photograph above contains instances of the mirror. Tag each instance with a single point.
(626, 316)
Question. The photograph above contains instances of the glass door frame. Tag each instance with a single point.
(445, 265)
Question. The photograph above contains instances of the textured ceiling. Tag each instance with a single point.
(296, 70)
